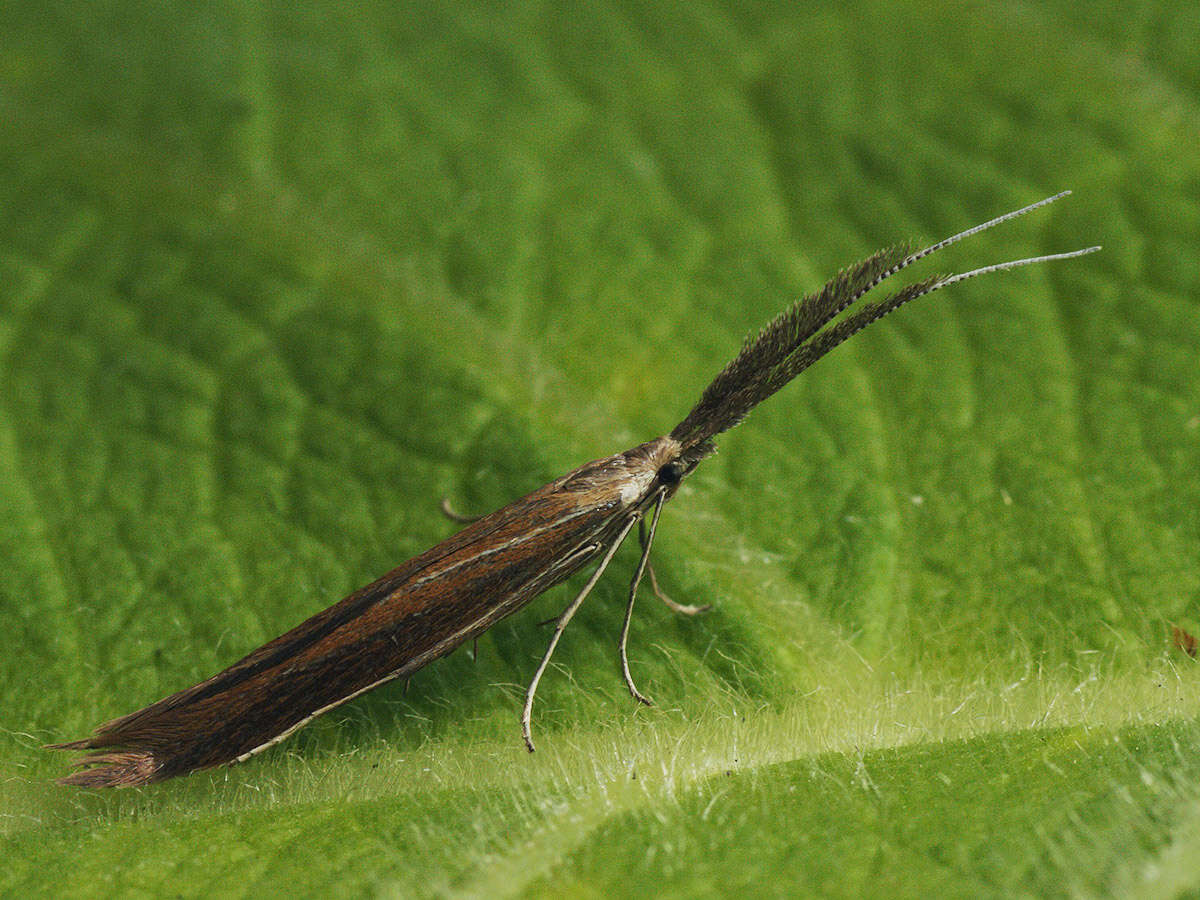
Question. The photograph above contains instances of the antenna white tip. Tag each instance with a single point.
(1012, 264)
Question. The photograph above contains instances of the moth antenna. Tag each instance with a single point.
(850, 326)
(970, 232)
(934, 248)
(794, 339)
(1011, 264)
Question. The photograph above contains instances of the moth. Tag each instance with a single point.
(494, 566)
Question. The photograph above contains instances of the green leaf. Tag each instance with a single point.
(274, 280)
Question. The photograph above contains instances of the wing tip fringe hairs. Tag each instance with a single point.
(115, 768)
(109, 764)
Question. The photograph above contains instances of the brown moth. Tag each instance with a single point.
(497, 564)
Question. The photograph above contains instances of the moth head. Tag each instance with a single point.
(661, 465)
(671, 473)
(653, 467)
(680, 462)
(639, 475)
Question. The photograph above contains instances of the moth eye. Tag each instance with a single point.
(671, 473)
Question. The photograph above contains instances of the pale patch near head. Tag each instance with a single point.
(635, 486)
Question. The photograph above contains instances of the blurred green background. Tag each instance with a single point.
(276, 278)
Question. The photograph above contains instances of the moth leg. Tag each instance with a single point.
(449, 513)
(647, 541)
(684, 609)
(563, 619)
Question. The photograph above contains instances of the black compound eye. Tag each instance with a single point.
(671, 473)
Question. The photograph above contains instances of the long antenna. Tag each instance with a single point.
(934, 248)
(803, 333)
(991, 223)
(822, 343)
(1011, 264)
